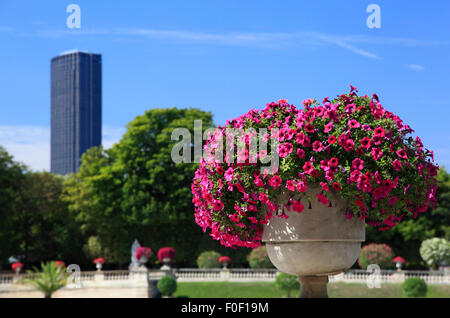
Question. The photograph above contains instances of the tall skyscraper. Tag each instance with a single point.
(76, 108)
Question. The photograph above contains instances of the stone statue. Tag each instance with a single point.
(134, 261)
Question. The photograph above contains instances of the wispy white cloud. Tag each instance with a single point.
(31, 144)
(415, 67)
(272, 40)
(343, 43)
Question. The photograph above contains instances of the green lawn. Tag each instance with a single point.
(268, 290)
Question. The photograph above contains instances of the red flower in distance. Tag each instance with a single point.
(143, 251)
(224, 259)
(399, 259)
(61, 263)
(166, 253)
(16, 266)
(99, 260)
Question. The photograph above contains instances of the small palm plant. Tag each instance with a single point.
(51, 278)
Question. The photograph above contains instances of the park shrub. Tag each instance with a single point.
(414, 287)
(258, 258)
(208, 259)
(167, 285)
(380, 254)
(287, 283)
(434, 251)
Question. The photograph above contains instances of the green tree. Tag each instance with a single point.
(135, 190)
(35, 223)
(11, 180)
(208, 259)
(287, 283)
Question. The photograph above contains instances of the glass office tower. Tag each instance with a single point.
(76, 108)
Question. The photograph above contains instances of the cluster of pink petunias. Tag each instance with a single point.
(350, 146)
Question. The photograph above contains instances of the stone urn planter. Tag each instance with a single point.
(316, 243)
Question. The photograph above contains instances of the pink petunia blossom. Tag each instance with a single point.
(376, 153)
(397, 165)
(229, 174)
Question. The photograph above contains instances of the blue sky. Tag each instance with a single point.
(225, 57)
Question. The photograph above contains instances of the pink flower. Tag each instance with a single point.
(353, 123)
(259, 182)
(349, 145)
(331, 140)
(333, 162)
(308, 166)
(397, 165)
(234, 217)
(263, 198)
(358, 164)
(376, 153)
(317, 146)
(229, 174)
(307, 102)
(402, 154)
(324, 186)
(393, 200)
(379, 131)
(275, 181)
(217, 205)
(337, 186)
(309, 128)
(328, 127)
(297, 206)
(366, 142)
(300, 153)
(314, 173)
(322, 199)
(290, 185)
(301, 187)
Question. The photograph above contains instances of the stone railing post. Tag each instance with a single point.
(99, 276)
(398, 276)
(224, 274)
(139, 277)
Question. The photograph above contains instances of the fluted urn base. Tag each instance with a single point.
(316, 243)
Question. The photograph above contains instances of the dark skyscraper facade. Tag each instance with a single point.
(76, 108)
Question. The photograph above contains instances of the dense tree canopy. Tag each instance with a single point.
(35, 224)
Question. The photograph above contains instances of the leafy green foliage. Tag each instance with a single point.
(208, 259)
(287, 283)
(35, 223)
(93, 249)
(414, 287)
(167, 285)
